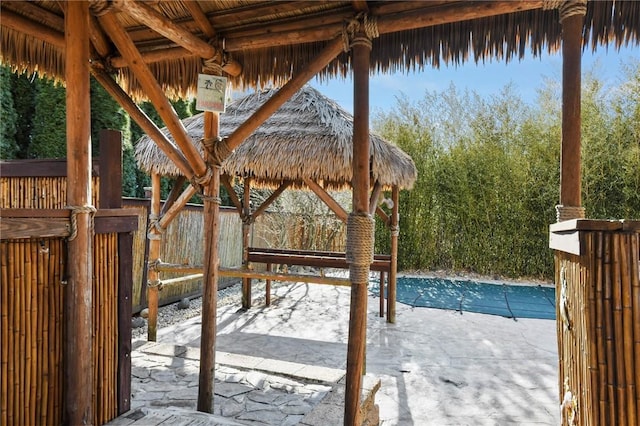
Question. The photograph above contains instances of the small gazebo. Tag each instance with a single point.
(305, 144)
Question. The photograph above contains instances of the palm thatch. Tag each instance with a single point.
(274, 39)
(309, 137)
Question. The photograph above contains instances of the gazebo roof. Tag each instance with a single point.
(309, 137)
(271, 40)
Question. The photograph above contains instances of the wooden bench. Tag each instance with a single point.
(317, 259)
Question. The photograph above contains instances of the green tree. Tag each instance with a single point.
(23, 90)
(8, 117)
(48, 138)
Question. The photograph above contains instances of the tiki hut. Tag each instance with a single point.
(155, 50)
(305, 144)
(308, 138)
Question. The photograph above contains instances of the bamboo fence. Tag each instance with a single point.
(38, 192)
(31, 301)
(599, 345)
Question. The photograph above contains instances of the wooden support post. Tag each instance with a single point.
(211, 274)
(393, 271)
(110, 169)
(125, 289)
(153, 277)
(570, 176)
(246, 235)
(361, 50)
(77, 349)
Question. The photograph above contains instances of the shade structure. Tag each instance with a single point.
(309, 137)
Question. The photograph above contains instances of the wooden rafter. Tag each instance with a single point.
(266, 203)
(20, 23)
(153, 90)
(327, 199)
(226, 182)
(143, 121)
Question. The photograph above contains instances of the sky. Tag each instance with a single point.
(487, 79)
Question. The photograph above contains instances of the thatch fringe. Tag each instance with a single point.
(503, 37)
(309, 137)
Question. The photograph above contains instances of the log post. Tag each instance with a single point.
(153, 276)
(211, 198)
(572, 19)
(246, 235)
(360, 227)
(393, 272)
(77, 359)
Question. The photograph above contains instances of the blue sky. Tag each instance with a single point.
(486, 79)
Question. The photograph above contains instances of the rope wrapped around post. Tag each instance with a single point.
(360, 242)
(361, 23)
(567, 8)
(217, 148)
(75, 210)
(569, 212)
(154, 223)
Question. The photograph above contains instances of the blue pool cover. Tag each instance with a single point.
(511, 301)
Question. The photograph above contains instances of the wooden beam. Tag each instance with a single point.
(36, 14)
(24, 25)
(19, 228)
(382, 215)
(99, 39)
(375, 196)
(151, 56)
(153, 90)
(277, 276)
(200, 18)
(145, 123)
(78, 407)
(327, 199)
(166, 27)
(285, 93)
(176, 190)
(226, 181)
(266, 203)
(427, 16)
(175, 208)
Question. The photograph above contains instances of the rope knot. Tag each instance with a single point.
(75, 211)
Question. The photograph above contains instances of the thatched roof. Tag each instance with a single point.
(273, 39)
(310, 136)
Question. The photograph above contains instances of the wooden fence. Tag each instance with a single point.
(598, 311)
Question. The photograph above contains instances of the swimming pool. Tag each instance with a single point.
(511, 301)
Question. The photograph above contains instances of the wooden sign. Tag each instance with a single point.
(211, 93)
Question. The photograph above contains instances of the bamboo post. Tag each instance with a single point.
(357, 230)
(246, 234)
(77, 350)
(211, 199)
(153, 276)
(393, 272)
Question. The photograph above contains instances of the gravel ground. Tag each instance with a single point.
(174, 313)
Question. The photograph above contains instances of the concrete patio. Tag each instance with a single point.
(435, 367)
